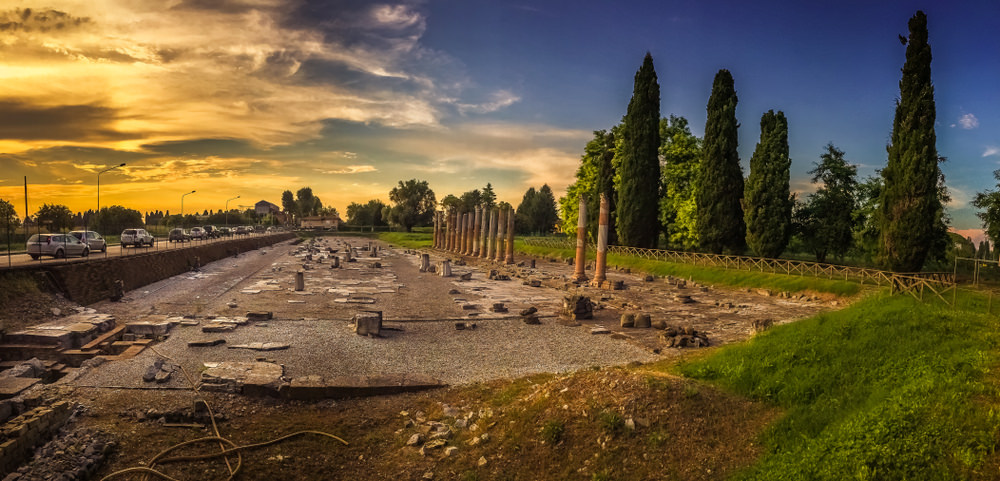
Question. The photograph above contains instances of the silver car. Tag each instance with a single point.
(94, 240)
(56, 245)
(136, 237)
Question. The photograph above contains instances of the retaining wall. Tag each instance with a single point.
(93, 280)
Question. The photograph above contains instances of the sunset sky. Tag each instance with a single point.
(253, 97)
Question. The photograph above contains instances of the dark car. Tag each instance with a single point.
(211, 231)
(178, 235)
(56, 245)
(225, 232)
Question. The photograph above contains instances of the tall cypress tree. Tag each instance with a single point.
(767, 203)
(720, 223)
(910, 206)
(638, 179)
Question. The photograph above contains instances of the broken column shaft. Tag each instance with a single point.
(492, 241)
(579, 273)
(477, 232)
(484, 233)
(509, 258)
(300, 281)
(501, 231)
(600, 269)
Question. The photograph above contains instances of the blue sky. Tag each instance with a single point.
(252, 97)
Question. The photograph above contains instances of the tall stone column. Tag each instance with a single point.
(447, 231)
(484, 233)
(478, 232)
(454, 231)
(492, 250)
(470, 230)
(501, 232)
(579, 273)
(463, 224)
(434, 243)
(509, 259)
(600, 269)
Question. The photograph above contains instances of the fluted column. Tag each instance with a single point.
(509, 259)
(601, 267)
(579, 273)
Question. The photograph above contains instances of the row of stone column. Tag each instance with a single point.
(601, 266)
(484, 233)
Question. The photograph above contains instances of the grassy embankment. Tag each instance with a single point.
(888, 388)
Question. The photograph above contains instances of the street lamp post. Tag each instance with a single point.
(227, 209)
(99, 185)
(182, 206)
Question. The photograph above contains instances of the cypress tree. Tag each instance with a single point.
(720, 223)
(910, 207)
(767, 203)
(638, 179)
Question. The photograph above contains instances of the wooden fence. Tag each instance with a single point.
(916, 284)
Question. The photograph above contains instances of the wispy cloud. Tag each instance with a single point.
(349, 169)
(991, 150)
(968, 121)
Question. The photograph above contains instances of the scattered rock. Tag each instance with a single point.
(628, 320)
(578, 307)
(642, 321)
(415, 440)
(529, 311)
(206, 342)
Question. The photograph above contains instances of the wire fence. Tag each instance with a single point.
(917, 284)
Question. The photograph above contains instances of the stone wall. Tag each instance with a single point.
(93, 280)
(21, 434)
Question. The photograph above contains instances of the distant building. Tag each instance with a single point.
(264, 207)
(325, 222)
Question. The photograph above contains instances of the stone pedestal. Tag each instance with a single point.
(300, 281)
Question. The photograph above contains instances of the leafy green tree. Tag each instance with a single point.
(306, 202)
(54, 217)
(115, 218)
(470, 200)
(910, 209)
(866, 232)
(988, 203)
(720, 225)
(366, 214)
(451, 203)
(414, 203)
(537, 212)
(8, 217)
(827, 221)
(288, 203)
(595, 175)
(638, 173)
(681, 153)
(766, 198)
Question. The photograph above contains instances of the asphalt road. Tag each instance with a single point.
(114, 250)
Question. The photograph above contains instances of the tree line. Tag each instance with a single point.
(669, 188)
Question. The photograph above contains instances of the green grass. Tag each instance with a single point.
(411, 240)
(888, 388)
(710, 275)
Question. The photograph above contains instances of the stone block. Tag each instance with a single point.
(368, 323)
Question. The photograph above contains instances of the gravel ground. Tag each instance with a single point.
(320, 337)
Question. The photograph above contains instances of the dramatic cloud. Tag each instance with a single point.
(264, 71)
(968, 121)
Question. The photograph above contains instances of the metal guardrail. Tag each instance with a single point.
(914, 283)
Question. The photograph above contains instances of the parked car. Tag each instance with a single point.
(241, 230)
(198, 233)
(225, 232)
(56, 245)
(211, 231)
(137, 237)
(178, 235)
(94, 240)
